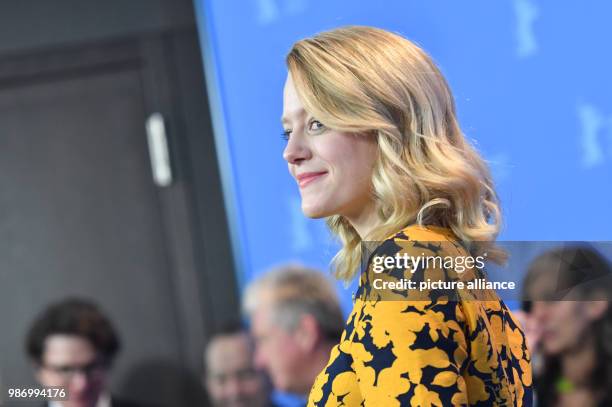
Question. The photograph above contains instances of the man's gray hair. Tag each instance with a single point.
(294, 290)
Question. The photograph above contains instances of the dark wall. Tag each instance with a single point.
(79, 212)
(35, 24)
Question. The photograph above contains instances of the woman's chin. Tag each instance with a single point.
(314, 211)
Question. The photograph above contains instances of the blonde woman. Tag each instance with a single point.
(375, 147)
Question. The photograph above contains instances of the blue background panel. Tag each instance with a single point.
(532, 85)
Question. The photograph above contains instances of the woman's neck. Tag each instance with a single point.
(365, 221)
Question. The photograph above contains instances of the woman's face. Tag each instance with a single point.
(562, 325)
(333, 169)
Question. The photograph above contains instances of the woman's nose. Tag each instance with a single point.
(296, 150)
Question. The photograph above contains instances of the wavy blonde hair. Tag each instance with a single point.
(370, 81)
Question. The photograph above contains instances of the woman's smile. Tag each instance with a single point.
(307, 178)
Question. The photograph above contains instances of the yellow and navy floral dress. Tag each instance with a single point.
(434, 352)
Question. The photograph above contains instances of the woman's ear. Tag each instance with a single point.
(596, 309)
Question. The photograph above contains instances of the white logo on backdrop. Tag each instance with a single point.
(526, 15)
(269, 11)
(595, 127)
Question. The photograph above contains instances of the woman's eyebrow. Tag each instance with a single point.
(298, 113)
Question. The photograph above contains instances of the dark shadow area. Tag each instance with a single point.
(159, 382)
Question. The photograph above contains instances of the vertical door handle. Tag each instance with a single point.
(158, 150)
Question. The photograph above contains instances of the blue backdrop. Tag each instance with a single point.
(533, 90)
(532, 84)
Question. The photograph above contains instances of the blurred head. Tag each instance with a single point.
(568, 292)
(231, 377)
(372, 132)
(295, 318)
(568, 289)
(72, 345)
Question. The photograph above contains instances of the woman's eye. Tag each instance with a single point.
(315, 125)
(286, 134)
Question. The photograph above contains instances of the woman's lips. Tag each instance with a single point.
(308, 177)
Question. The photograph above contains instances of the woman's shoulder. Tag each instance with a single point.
(418, 232)
(418, 263)
(426, 239)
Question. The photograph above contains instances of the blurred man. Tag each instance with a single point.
(295, 319)
(72, 345)
(230, 376)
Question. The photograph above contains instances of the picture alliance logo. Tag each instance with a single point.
(428, 285)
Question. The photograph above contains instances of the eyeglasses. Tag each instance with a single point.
(91, 370)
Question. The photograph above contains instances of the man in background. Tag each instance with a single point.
(296, 320)
(230, 378)
(72, 345)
